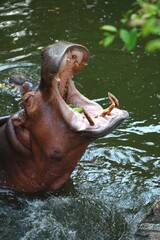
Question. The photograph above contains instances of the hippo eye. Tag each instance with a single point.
(27, 99)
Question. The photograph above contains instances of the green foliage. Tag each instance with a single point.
(109, 35)
(80, 110)
(109, 28)
(153, 45)
(129, 38)
(140, 22)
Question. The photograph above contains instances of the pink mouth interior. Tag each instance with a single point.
(90, 118)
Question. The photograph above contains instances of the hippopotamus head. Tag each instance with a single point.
(58, 96)
(53, 131)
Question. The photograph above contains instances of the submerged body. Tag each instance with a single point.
(41, 144)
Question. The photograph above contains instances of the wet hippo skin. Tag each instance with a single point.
(41, 144)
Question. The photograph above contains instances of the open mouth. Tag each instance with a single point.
(82, 114)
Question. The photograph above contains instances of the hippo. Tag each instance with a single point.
(41, 144)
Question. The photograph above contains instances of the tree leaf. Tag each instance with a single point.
(108, 40)
(133, 39)
(153, 45)
(124, 35)
(109, 28)
(156, 29)
(129, 38)
(148, 27)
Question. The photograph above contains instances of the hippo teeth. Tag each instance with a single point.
(57, 79)
(65, 91)
(63, 77)
(113, 99)
(114, 104)
(88, 117)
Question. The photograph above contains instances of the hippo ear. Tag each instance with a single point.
(18, 79)
(26, 87)
(22, 83)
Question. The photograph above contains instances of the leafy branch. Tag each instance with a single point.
(140, 22)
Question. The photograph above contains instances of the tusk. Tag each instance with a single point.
(107, 110)
(114, 104)
(113, 99)
(57, 79)
(91, 122)
(77, 64)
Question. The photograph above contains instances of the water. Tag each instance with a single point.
(119, 176)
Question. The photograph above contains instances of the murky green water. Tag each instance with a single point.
(119, 175)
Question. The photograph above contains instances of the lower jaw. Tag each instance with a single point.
(79, 101)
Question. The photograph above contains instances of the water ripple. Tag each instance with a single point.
(140, 130)
(15, 65)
